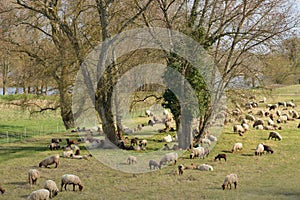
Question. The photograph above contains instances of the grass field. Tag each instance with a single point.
(271, 176)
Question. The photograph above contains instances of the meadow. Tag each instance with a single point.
(270, 176)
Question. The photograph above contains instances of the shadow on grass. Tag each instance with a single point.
(247, 154)
(226, 151)
(19, 183)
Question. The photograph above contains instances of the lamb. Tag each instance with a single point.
(131, 160)
(268, 149)
(274, 134)
(260, 127)
(197, 152)
(55, 140)
(70, 142)
(49, 161)
(219, 156)
(230, 179)
(134, 141)
(205, 167)
(41, 194)
(52, 187)
(282, 119)
(153, 164)
(237, 146)
(259, 150)
(246, 127)
(71, 179)
(144, 142)
(33, 176)
(180, 169)
(290, 104)
(169, 157)
(54, 145)
(2, 190)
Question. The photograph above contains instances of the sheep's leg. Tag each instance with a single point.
(73, 187)
(230, 186)
(66, 186)
(61, 187)
(235, 183)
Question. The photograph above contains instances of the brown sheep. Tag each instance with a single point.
(49, 161)
(2, 190)
(219, 156)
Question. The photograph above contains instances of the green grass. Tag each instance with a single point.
(271, 176)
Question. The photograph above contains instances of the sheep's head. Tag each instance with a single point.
(41, 164)
(223, 186)
(80, 187)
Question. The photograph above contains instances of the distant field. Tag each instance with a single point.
(271, 176)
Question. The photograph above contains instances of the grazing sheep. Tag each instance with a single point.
(2, 190)
(70, 142)
(134, 141)
(268, 149)
(271, 122)
(258, 122)
(230, 179)
(205, 167)
(49, 161)
(167, 138)
(206, 152)
(219, 156)
(52, 187)
(259, 150)
(274, 134)
(169, 157)
(298, 125)
(153, 164)
(71, 179)
(180, 169)
(131, 160)
(269, 128)
(273, 107)
(237, 146)
(41, 194)
(246, 127)
(250, 117)
(33, 176)
(67, 154)
(238, 129)
(197, 152)
(54, 146)
(290, 104)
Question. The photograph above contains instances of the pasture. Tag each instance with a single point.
(270, 176)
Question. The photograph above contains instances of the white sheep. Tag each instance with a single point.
(260, 127)
(197, 152)
(167, 138)
(230, 179)
(259, 150)
(274, 134)
(71, 179)
(205, 167)
(237, 146)
(41, 194)
(169, 157)
(67, 154)
(246, 127)
(52, 187)
(143, 142)
(33, 176)
(238, 129)
(205, 141)
(153, 164)
(131, 160)
(282, 119)
(49, 161)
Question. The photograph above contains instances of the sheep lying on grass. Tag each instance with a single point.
(230, 179)
(131, 160)
(259, 150)
(33, 176)
(221, 155)
(169, 157)
(2, 190)
(153, 164)
(71, 179)
(67, 154)
(41, 194)
(275, 135)
(49, 161)
(52, 187)
(205, 167)
(237, 146)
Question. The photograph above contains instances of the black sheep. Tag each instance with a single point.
(219, 156)
(268, 149)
